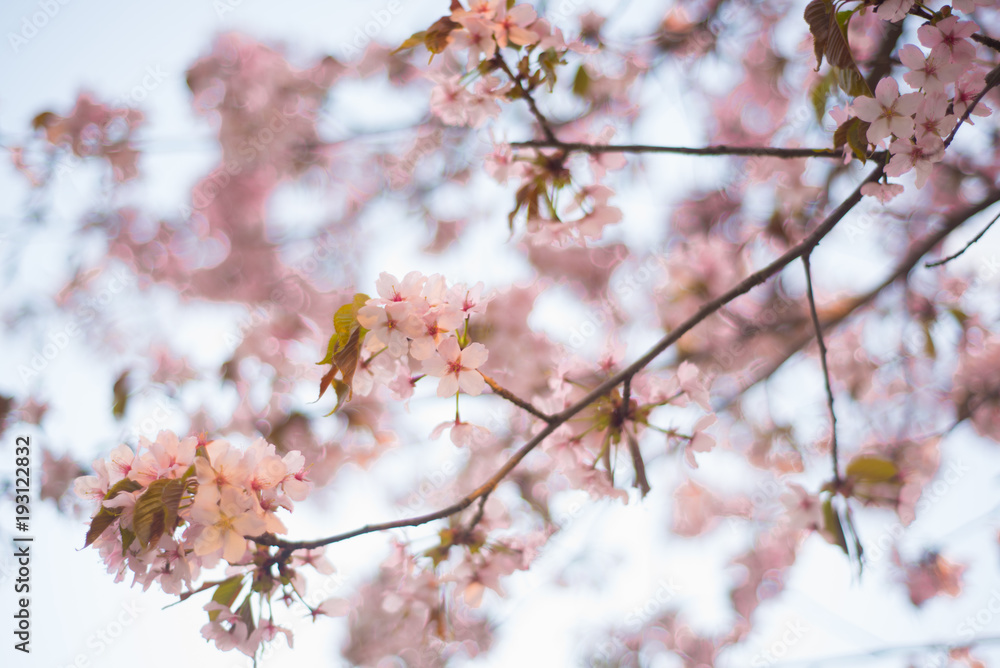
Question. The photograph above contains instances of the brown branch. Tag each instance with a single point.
(684, 150)
(707, 309)
(514, 399)
(964, 248)
(917, 251)
(516, 80)
(826, 369)
(992, 80)
(987, 41)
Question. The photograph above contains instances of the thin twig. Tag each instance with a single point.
(539, 116)
(707, 309)
(902, 270)
(826, 369)
(966, 247)
(514, 399)
(684, 150)
(992, 80)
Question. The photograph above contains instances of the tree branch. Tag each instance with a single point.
(992, 80)
(707, 309)
(684, 150)
(514, 399)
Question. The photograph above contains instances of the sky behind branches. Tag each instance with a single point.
(138, 54)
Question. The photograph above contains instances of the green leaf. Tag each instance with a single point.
(191, 469)
(929, 348)
(245, 613)
(225, 594)
(817, 16)
(123, 485)
(120, 395)
(820, 93)
(581, 82)
(344, 350)
(854, 133)
(832, 525)
(173, 491)
(412, 41)
(548, 62)
(149, 516)
(106, 516)
(102, 520)
(343, 391)
(439, 552)
(872, 469)
(127, 538)
(347, 357)
(829, 31)
(851, 82)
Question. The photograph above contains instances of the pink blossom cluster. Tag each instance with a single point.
(481, 30)
(578, 447)
(420, 320)
(946, 81)
(222, 497)
(470, 100)
(232, 494)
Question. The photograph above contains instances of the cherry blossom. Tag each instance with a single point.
(456, 367)
(646, 317)
(931, 74)
(919, 155)
(894, 10)
(888, 112)
(949, 37)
